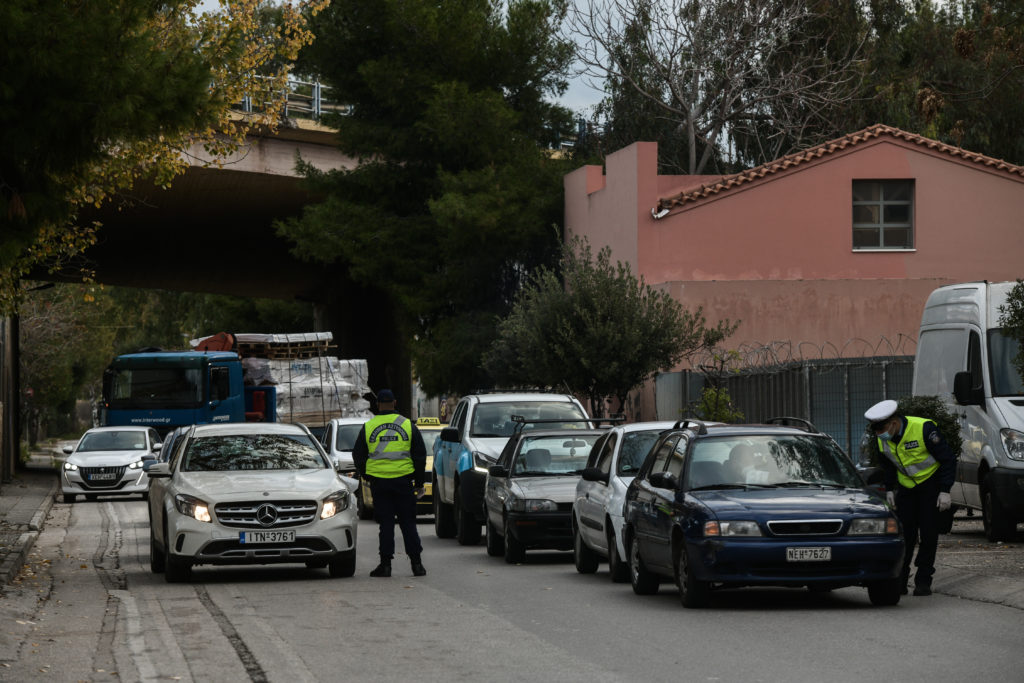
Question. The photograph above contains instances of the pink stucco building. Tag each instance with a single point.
(829, 252)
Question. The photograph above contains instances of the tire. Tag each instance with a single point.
(515, 551)
(999, 526)
(145, 495)
(885, 593)
(176, 569)
(495, 543)
(586, 559)
(70, 497)
(342, 565)
(643, 581)
(467, 529)
(692, 593)
(156, 555)
(618, 570)
(444, 518)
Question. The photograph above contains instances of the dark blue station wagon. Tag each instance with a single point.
(778, 504)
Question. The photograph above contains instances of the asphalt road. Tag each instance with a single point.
(90, 610)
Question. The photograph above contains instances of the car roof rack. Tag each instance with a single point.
(798, 422)
(522, 421)
(691, 424)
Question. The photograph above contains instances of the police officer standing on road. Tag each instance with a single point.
(389, 453)
(920, 469)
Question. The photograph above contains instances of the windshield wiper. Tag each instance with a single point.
(485, 435)
(811, 484)
(711, 487)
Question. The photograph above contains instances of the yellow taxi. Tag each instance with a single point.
(430, 428)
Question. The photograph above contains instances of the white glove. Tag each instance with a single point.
(944, 502)
(890, 498)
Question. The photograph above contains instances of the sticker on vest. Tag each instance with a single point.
(935, 438)
(911, 444)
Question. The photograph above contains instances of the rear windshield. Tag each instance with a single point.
(252, 452)
(495, 419)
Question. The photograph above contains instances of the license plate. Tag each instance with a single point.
(283, 536)
(809, 554)
(103, 476)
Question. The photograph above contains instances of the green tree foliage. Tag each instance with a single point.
(1011, 320)
(597, 330)
(716, 405)
(455, 196)
(95, 96)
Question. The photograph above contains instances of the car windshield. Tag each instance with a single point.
(346, 438)
(252, 452)
(112, 441)
(553, 455)
(429, 437)
(770, 461)
(635, 446)
(495, 419)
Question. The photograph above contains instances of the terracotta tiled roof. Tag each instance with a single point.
(797, 158)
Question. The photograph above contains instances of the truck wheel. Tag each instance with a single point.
(467, 529)
(999, 526)
(444, 518)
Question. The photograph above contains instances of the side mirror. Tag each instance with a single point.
(663, 480)
(147, 457)
(450, 435)
(68, 450)
(594, 474)
(157, 470)
(158, 446)
(965, 393)
(497, 471)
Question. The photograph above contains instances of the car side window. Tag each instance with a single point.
(328, 436)
(604, 459)
(596, 451)
(677, 458)
(662, 455)
(459, 416)
(154, 437)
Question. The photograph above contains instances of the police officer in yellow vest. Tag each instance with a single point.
(920, 469)
(389, 453)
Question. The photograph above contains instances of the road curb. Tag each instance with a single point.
(16, 558)
(999, 590)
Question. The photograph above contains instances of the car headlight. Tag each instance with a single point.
(70, 467)
(1013, 443)
(481, 462)
(874, 526)
(334, 503)
(742, 527)
(532, 505)
(193, 507)
(135, 465)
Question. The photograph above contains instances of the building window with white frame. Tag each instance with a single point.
(883, 214)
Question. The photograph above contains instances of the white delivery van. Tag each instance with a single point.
(964, 358)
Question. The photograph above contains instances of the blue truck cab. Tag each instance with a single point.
(168, 389)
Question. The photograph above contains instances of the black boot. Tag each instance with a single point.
(383, 569)
(417, 566)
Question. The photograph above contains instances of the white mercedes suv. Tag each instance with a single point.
(250, 493)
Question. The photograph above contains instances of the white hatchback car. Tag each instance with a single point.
(339, 439)
(250, 493)
(107, 461)
(600, 493)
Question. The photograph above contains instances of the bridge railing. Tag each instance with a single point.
(303, 100)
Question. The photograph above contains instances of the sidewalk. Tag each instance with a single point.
(24, 504)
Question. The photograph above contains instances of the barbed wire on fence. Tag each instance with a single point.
(782, 356)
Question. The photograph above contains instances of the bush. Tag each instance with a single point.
(715, 405)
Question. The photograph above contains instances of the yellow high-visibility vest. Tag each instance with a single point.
(389, 444)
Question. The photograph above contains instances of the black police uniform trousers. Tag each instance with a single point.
(393, 498)
(917, 512)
